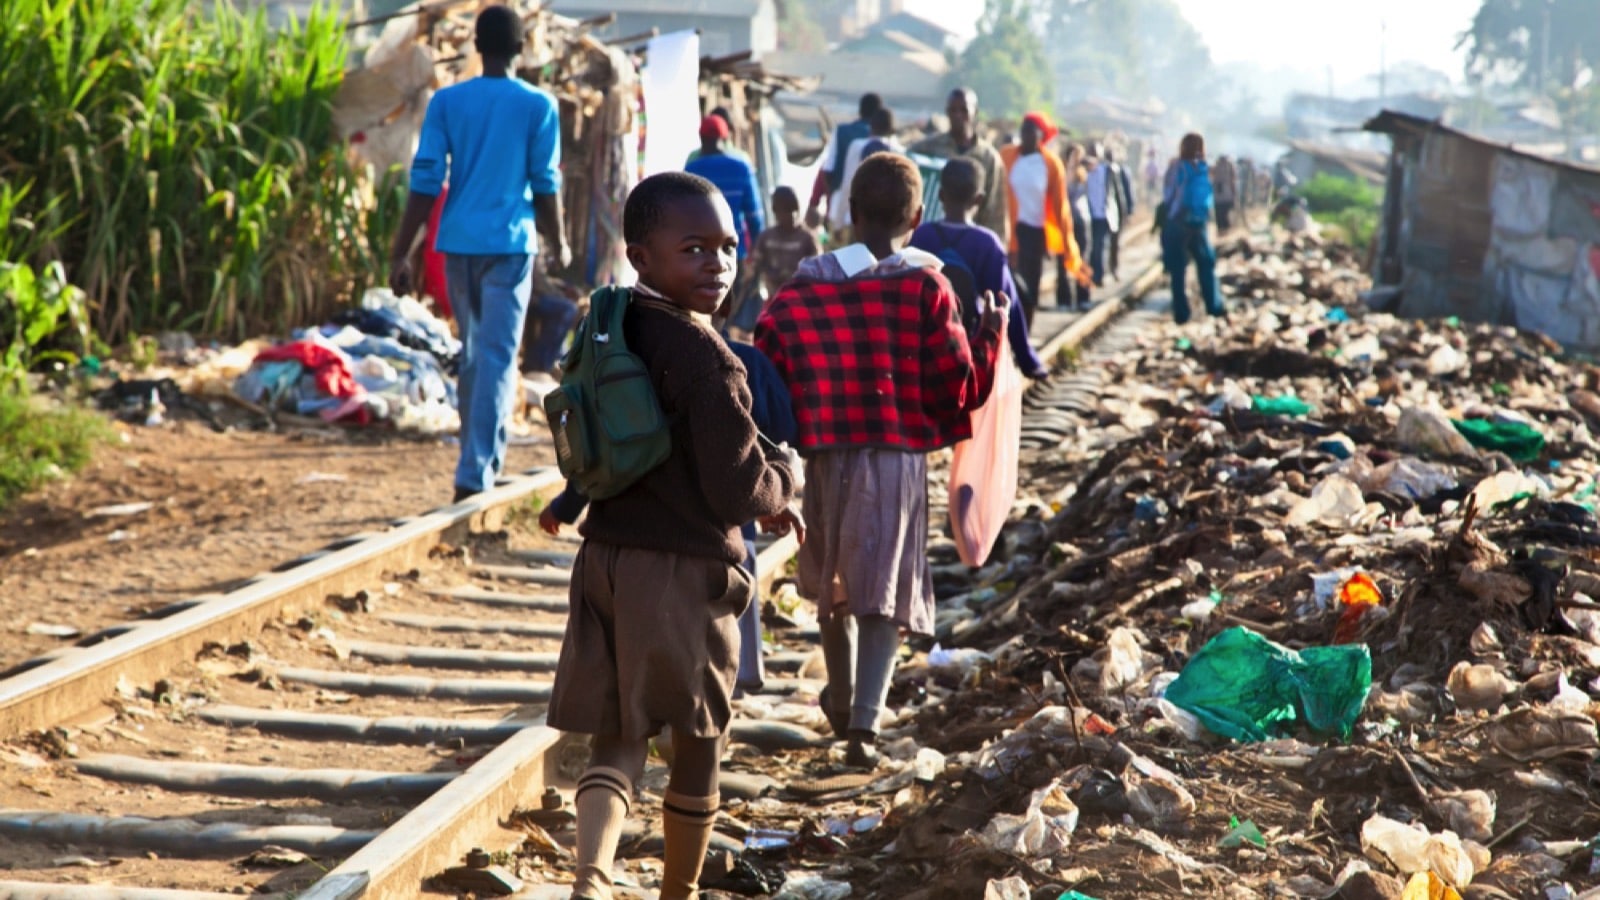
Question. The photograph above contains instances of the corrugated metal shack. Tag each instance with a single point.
(1489, 233)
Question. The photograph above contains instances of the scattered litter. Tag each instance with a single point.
(1412, 848)
(1013, 888)
(1044, 830)
(120, 509)
(1241, 833)
(273, 857)
(1245, 687)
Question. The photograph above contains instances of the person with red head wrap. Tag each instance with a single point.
(1036, 185)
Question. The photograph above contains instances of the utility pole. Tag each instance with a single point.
(1383, 60)
(1544, 51)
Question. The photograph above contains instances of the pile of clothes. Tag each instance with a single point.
(390, 360)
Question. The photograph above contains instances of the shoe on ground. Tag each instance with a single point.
(862, 750)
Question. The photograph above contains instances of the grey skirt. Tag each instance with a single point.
(866, 553)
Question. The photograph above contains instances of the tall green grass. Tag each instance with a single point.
(183, 162)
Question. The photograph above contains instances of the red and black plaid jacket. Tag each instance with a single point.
(878, 361)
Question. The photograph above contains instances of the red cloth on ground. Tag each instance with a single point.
(433, 281)
(331, 374)
(878, 361)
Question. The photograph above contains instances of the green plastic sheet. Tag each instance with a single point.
(1280, 406)
(1516, 440)
(1245, 687)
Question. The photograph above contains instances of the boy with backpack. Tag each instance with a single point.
(657, 586)
(870, 341)
(975, 260)
(774, 417)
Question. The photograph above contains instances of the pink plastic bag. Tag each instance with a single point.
(983, 474)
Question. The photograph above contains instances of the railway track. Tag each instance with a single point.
(228, 744)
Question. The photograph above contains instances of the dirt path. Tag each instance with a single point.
(224, 507)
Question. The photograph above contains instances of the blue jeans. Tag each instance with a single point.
(489, 295)
(751, 672)
(1178, 243)
(1100, 231)
(551, 316)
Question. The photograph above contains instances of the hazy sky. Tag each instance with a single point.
(1313, 36)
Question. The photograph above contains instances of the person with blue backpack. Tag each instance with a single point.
(1186, 207)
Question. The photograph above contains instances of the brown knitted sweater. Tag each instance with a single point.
(718, 476)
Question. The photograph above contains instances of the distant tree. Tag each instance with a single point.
(1093, 48)
(1539, 44)
(1006, 62)
(797, 26)
(1134, 50)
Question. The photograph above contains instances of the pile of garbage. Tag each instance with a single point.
(1306, 604)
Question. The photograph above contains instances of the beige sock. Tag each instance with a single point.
(686, 824)
(602, 807)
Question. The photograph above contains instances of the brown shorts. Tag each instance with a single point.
(652, 640)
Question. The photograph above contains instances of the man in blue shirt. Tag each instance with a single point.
(734, 177)
(498, 140)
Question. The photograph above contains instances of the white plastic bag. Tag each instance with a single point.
(983, 470)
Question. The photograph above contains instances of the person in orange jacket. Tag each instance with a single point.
(1036, 186)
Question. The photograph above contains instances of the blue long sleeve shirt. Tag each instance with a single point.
(737, 181)
(498, 142)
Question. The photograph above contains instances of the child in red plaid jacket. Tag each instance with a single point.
(870, 342)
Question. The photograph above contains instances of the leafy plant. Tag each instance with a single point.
(35, 307)
(1348, 205)
(38, 443)
(1327, 194)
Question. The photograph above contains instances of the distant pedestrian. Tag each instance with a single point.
(1188, 200)
(832, 184)
(979, 252)
(963, 139)
(880, 139)
(1122, 182)
(1225, 185)
(883, 139)
(1041, 224)
(730, 144)
(734, 177)
(1104, 194)
(1074, 293)
(497, 139)
(777, 256)
(1247, 187)
(1152, 173)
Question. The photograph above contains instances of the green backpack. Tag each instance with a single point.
(608, 426)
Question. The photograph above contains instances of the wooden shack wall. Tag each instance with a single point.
(1446, 229)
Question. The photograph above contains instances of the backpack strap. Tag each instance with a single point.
(607, 308)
